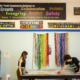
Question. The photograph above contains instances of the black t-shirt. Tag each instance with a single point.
(22, 64)
(74, 64)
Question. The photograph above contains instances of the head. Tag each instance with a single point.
(67, 58)
(24, 54)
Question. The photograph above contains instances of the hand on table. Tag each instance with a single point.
(20, 73)
(78, 72)
(59, 72)
(26, 71)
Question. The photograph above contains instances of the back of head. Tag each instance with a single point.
(66, 57)
(24, 53)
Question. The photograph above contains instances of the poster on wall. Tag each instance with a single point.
(6, 54)
(42, 11)
(7, 24)
(64, 25)
(31, 24)
(76, 10)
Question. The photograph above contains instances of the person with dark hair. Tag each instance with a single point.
(22, 65)
(73, 62)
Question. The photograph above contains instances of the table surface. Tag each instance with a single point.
(50, 74)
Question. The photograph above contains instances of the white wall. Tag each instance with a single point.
(0, 63)
(16, 42)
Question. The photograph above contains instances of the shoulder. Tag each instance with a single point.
(20, 59)
(74, 58)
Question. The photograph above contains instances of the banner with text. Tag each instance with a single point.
(7, 24)
(64, 25)
(43, 11)
(31, 24)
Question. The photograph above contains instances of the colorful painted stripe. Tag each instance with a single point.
(61, 47)
(41, 50)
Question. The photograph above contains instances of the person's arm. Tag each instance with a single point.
(62, 69)
(79, 68)
(20, 61)
(77, 61)
(26, 70)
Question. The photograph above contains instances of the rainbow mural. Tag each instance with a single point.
(61, 47)
(41, 50)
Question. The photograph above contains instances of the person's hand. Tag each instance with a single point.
(26, 71)
(59, 72)
(78, 72)
(20, 73)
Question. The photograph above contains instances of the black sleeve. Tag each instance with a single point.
(76, 60)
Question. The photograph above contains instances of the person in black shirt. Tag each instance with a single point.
(22, 64)
(73, 62)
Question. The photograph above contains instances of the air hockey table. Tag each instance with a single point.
(50, 74)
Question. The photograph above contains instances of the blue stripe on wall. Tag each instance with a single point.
(39, 30)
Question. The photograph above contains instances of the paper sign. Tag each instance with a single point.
(6, 54)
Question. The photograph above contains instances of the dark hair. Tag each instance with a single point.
(22, 55)
(67, 57)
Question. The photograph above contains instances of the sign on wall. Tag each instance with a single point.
(47, 11)
(76, 10)
(64, 25)
(6, 54)
(31, 24)
(7, 24)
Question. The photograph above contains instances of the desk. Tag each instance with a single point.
(50, 74)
